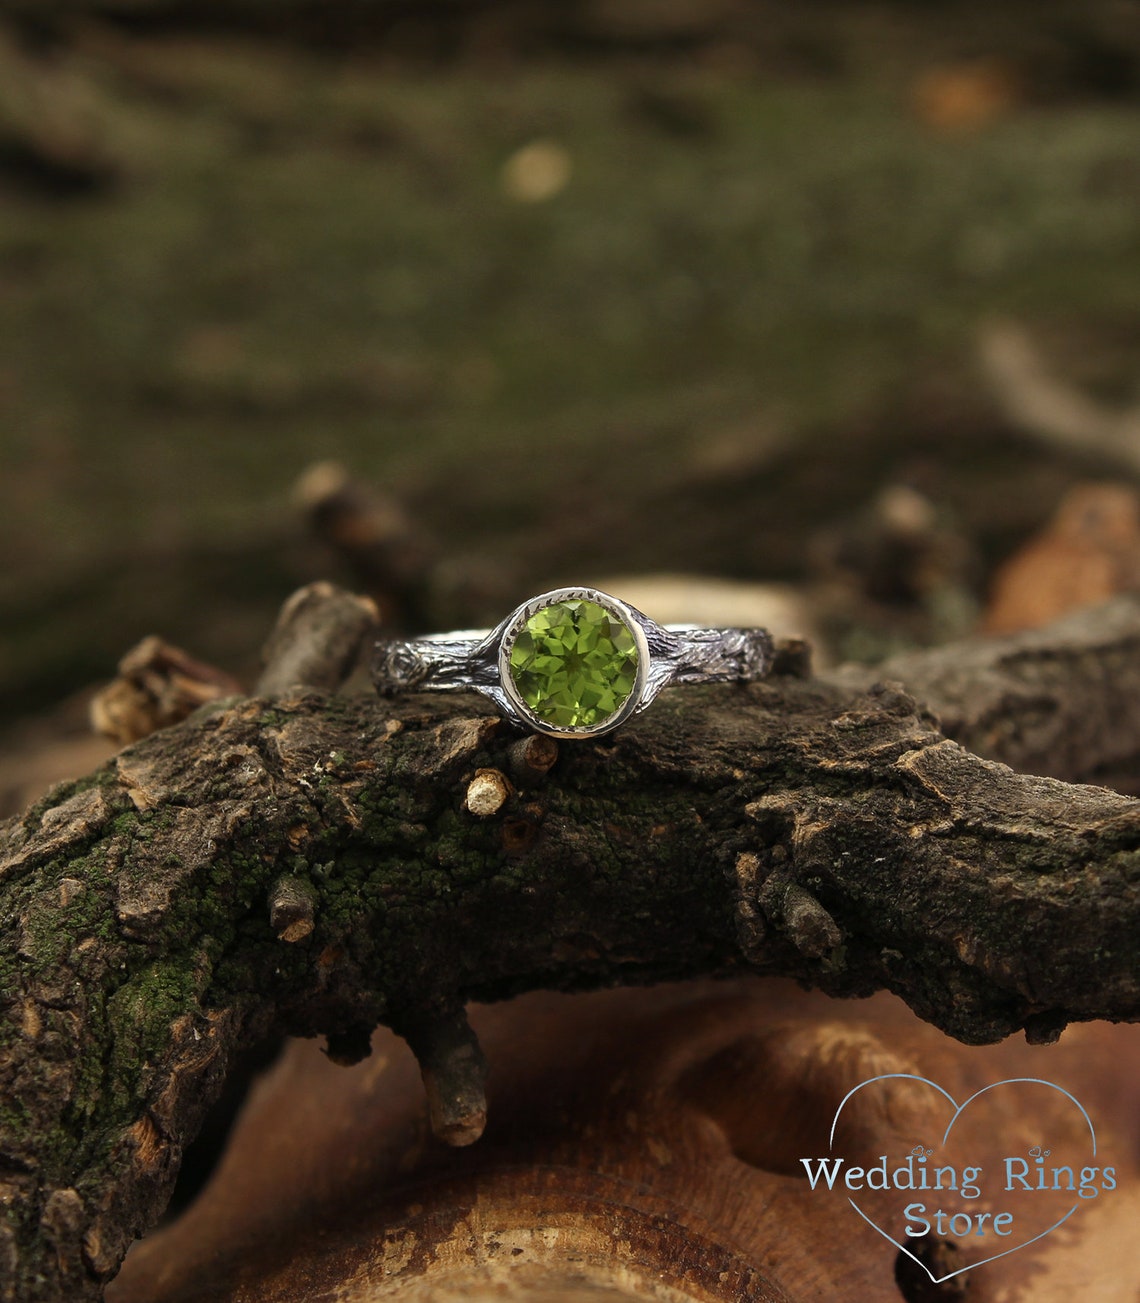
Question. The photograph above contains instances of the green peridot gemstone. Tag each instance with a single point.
(574, 664)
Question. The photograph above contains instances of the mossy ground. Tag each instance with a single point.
(312, 254)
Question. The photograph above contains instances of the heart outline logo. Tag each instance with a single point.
(959, 1109)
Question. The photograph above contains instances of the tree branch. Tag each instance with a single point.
(315, 865)
(1063, 701)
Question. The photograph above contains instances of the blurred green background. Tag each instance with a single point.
(650, 286)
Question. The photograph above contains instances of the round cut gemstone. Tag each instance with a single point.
(574, 664)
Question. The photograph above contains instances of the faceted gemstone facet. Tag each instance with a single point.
(574, 664)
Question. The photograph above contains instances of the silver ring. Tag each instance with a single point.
(574, 662)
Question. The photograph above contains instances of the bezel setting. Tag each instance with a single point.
(618, 610)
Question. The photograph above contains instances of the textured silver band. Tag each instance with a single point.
(669, 655)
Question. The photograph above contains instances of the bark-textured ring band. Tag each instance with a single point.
(574, 662)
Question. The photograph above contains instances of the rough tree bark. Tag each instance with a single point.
(315, 864)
